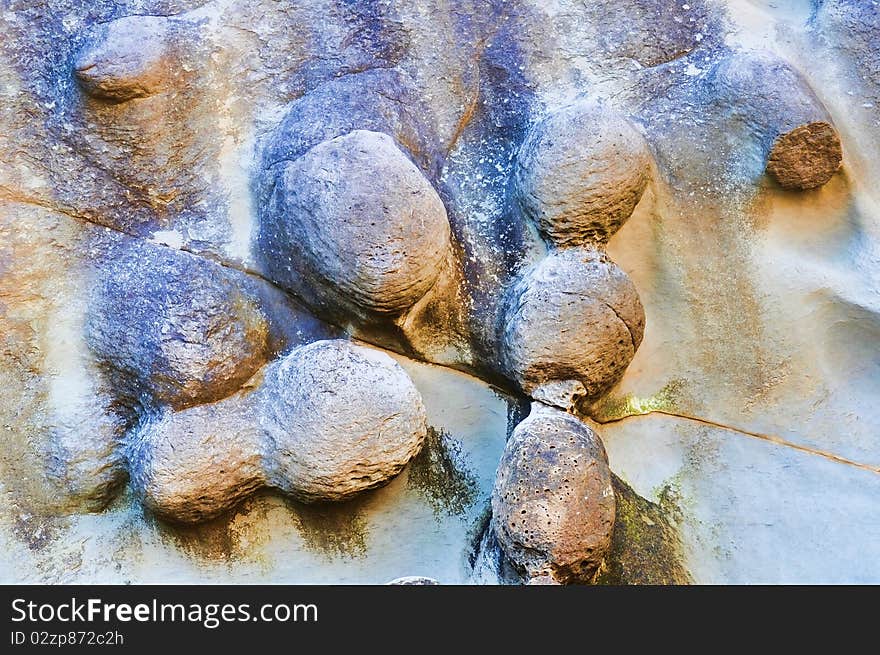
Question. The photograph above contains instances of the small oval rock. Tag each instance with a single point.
(553, 504)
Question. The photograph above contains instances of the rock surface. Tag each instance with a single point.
(353, 224)
(806, 157)
(575, 318)
(341, 419)
(160, 126)
(324, 423)
(553, 504)
(379, 100)
(192, 465)
(175, 327)
(130, 59)
(580, 173)
(414, 580)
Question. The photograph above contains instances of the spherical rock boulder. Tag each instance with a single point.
(193, 465)
(580, 173)
(805, 157)
(174, 327)
(571, 326)
(341, 418)
(553, 504)
(353, 226)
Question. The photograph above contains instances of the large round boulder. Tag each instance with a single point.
(353, 226)
(193, 465)
(553, 504)
(340, 418)
(580, 173)
(173, 327)
(571, 326)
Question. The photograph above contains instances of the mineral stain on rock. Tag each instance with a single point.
(645, 544)
(333, 529)
(210, 540)
(440, 475)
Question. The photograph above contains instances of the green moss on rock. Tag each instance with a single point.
(645, 546)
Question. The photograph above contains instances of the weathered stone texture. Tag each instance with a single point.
(553, 504)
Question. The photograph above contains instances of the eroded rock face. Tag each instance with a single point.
(379, 100)
(130, 59)
(553, 503)
(324, 423)
(353, 224)
(597, 325)
(581, 172)
(384, 164)
(175, 327)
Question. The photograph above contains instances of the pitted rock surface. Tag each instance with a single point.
(553, 504)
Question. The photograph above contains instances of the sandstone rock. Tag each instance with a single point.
(653, 32)
(805, 157)
(581, 172)
(380, 100)
(192, 465)
(413, 580)
(324, 423)
(717, 120)
(341, 419)
(784, 117)
(646, 546)
(575, 318)
(139, 114)
(354, 224)
(553, 503)
(174, 327)
(128, 60)
(763, 304)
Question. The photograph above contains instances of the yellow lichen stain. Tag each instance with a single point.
(614, 408)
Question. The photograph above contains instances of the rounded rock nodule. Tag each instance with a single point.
(580, 173)
(326, 422)
(805, 157)
(358, 223)
(174, 327)
(128, 60)
(342, 419)
(572, 324)
(193, 465)
(553, 505)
